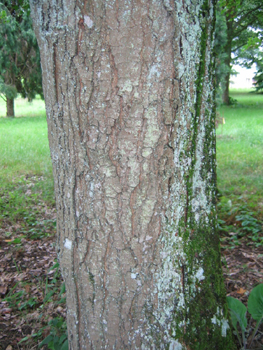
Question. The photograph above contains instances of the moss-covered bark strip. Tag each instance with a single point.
(204, 312)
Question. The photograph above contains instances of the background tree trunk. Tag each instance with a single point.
(130, 110)
(228, 60)
(10, 107)
(226, 99)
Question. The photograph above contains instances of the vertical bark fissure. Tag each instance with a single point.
(56, 71)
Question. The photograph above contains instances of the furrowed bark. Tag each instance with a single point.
(130, 107)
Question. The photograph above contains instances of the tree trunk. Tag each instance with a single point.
(10, 107)
(130, 109)
(228, 51)
(226, 98)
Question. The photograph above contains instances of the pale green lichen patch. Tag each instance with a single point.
(152, 131)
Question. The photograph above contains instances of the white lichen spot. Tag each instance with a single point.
(175, 345)
(126, 86)
(91, 193)
(68, 244)
(154, 72)
(225, 327)
(88, 21)
(133, 275)
(181, 302)
(200, 274)
(181, 69)
(218, 320)
(146, 152)
(214, 319)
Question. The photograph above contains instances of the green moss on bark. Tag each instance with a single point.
(205, 313)
(205, 296)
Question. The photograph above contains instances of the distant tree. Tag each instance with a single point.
(221, 69)
(259, 75)
(252, 54)
(244, 22)
(20, 70)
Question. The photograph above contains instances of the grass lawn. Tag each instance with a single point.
(240, 150)
(23, 108)
(24, 149)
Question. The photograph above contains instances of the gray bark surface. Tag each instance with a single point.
(129, 101)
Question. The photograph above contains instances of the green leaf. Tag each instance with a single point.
(237, 312)
(55, 266)
(255, 303)
(51, 345)
(15, 241)
(49, 295)
(47, 340)
(24, 339)
(63, 288)
(62, 338)
(65, 346)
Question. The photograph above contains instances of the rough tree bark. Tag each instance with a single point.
(130, 108)
(10, 107)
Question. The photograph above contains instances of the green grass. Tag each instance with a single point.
(23, 108)
(23, 141)
(24, 151)
(24, 147)
(240, 149)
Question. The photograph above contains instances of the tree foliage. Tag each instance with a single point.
(243, 24)
(259, 76)
(20, 70)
